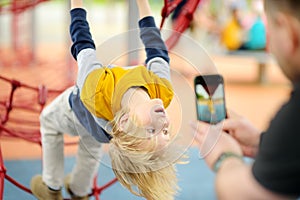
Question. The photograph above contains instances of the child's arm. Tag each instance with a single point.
(83, 48)
(157, 54)
(79, 29)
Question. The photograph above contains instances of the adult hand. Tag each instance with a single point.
(213, 141)
(244, 132)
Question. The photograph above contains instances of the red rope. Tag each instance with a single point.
(16, 183)
(183, 20)
(98, 190)
(15, 84)
(18, 6)
(35, 139)
(169, 7)
(2, 175)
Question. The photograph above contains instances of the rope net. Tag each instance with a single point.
(21, 30)
(19, 116)
(18, 6)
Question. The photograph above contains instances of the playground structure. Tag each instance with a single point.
(182, 22)
(28, 124)
(22, 29)
(26, 127)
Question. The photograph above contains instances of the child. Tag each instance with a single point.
(109, 104)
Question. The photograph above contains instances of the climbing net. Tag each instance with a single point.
(27, 127)
(21, 29)
(17, 6)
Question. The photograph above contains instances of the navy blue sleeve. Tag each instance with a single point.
(80, 32)
(151, 38)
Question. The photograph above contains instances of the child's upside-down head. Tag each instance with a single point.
(141, 153)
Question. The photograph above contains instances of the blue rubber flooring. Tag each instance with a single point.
(195, 180)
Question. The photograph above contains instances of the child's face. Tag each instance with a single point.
(152, 116)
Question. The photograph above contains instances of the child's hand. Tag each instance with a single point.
(144, 8)
(76, 4)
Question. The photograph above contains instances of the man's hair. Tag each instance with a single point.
(138, 165)
(288, 6)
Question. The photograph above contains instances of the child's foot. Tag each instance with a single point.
(41, 191)
(73, 196)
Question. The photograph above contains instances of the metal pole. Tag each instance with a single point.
(33, 35)
(133, 37)
(71, 64)
(15, 28)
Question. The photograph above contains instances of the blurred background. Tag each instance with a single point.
(35, 51)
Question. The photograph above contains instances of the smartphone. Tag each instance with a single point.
(210, 98)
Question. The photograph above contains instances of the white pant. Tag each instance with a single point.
(55, 120)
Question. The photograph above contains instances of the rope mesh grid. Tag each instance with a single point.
(19, 119)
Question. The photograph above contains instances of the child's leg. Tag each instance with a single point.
(87, 163)
(53, 123)
(58, 118)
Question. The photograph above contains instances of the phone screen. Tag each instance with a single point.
(210, 98)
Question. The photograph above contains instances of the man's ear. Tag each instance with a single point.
(294, 31)
(123, 122)
(289, 30)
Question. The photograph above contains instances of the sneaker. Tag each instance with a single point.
(41, 191)
(68, 189)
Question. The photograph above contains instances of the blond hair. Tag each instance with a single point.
(138, 166)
